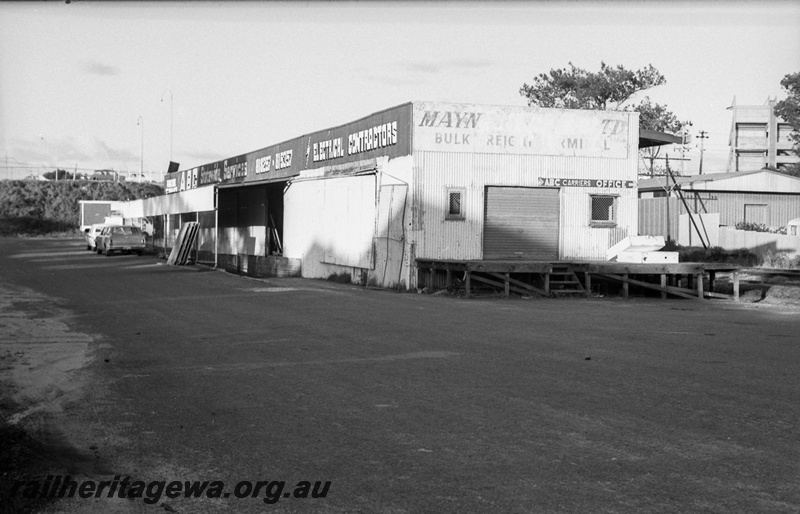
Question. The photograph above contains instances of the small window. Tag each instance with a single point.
(455, 204)
(604, 210)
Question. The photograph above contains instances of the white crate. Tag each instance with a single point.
(648, 257)
(635, 244)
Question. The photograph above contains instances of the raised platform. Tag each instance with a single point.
(575, 277)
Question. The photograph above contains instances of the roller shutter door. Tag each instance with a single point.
(521, 223)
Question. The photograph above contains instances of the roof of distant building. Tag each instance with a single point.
(757, 180)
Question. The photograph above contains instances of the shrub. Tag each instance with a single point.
(772, 259)
(741, 256)
(33, 207)
(759, 227)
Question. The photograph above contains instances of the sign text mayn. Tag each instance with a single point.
(450, 119)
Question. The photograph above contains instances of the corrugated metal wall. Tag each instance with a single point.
(438, 238)
(390, 235)
(660, 216)
(780, 208)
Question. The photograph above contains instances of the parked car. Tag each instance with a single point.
(144, 224)
(120, 238)
(91, 233)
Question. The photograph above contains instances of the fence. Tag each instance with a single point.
(38, 173)
(759, 242)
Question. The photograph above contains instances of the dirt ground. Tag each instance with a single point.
(43, 370)
(40, 373)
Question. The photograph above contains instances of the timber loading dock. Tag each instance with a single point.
(552, 278)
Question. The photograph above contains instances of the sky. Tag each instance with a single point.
(131, 86)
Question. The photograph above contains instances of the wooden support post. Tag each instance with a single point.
(712, 276)
(432, 279)
(663, 284)
(547, 283)
(449, 278)
(736, 285)
(699, 279)
(588, 281)
(467, 285)
(625, 286)
(505, 288)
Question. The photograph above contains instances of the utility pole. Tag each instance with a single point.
(684, 141)
(702, 137)
(140, 121)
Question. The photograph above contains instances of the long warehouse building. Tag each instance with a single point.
(427, 180)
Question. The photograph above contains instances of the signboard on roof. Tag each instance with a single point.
(383, 134)
(447, 127)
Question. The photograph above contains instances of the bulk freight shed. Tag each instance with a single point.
(384, 196)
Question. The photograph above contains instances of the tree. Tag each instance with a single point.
(576, 88)
(60, 174)
(789, 111)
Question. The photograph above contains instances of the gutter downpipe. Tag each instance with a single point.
(216, 225)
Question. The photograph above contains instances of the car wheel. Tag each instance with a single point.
(139, 253)
(88, 247)
(108, 252)
(98, 250)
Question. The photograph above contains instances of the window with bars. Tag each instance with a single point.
(604, 209)
(455, 204)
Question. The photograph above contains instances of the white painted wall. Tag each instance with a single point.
(193, 200)
(329, 223)
(243, 240)
(759, 242)
(353, 224)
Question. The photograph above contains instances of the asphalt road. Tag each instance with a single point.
(403, 402)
